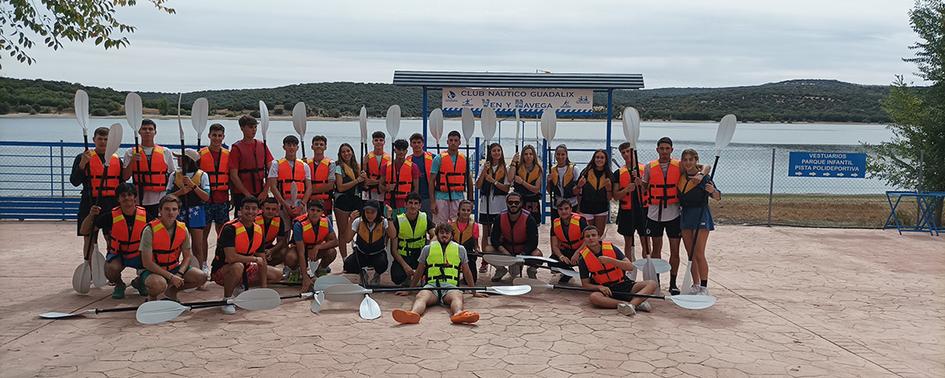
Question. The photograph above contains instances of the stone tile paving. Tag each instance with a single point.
(792, 302)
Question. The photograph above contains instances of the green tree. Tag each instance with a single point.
(56, 20)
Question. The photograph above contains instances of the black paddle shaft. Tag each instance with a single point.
(591, 290)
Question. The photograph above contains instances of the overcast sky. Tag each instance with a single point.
(252, 44)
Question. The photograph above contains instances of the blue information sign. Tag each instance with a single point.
(827, 164)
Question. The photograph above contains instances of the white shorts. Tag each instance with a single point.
(445, 211)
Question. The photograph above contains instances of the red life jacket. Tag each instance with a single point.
(574, 238)
(166, 251)
(626, 203)
(514, 236)
(103, 183)
(311, 236)
(150, 173)
(321, 176)
(663, 190)
(242, 243)
(289, 175)
(125, 240)
(452, 174)
(602, 274)
(404, 183)
(270, 230)
(217, 171)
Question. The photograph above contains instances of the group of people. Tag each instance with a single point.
(411, 213)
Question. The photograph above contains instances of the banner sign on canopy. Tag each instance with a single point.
(524, 99)
(827, 164)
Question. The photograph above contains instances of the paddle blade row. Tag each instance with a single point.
(488, 121)
(362, 121)
(199, 114)
(263, 117)
(548, 124)
(726, 130)
(133, 111)
(436, 124)
(82, 109)
(298, 119)
(393, 121)
(469, 124)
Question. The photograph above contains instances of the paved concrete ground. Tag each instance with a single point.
(798, 302)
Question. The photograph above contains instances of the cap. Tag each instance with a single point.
(191, 153)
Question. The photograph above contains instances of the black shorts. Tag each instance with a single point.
(655, 229)
(629, 221)
(347, 202)
(625, 286)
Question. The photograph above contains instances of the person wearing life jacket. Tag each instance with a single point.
(628, 190)
(441, 263)
(275, 244)
(466, 234)
(315, 240)
(450, 175)
(414, 230)
(516, 234)
(660, 178)
(527, 180)
(695, 189)
(323, 173)
(374, 164)
(122, 227)
(192, 186)
(567, 237)
(594, 190)
(249, 158)
(149, 168)
(215, 163)
(166, 253)
(348, 180)
(290, 176)
(401, 178)
(370, 238)
(562, 180)
(239, 258)
(494, 183)
(423, 160)
(602, 266)
(98, 183)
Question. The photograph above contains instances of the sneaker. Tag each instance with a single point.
(500, 272)
(294, 277)
(673, 290)
(312, 269)
(484, 267)
(138, 284)
(119, 292)
(228, 309)
(695, 289)
(376, 279)
(286, 272)
(626, 309)
(206, 269)
(644, 307)
(703, 290)
(532, 272)
(515, 271)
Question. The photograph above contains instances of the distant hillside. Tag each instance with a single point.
(788, 101)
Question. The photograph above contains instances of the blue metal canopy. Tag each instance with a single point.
(440, 79)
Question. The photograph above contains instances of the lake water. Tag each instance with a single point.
(745, 167)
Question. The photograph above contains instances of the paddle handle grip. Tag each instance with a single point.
(85, 137)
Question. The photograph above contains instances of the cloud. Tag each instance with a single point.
(244, 44)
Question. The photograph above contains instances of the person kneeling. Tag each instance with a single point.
(166, 254)
(238, 258)
(442, 261)
(603, 268)
(315, 240)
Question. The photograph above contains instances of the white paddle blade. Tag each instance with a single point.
(726, 130)
(199, 114)
(82, 110)
(533, 283)
(509, 290)
(631, 125)
(98, 267)
(539, 258)
(263, 118)
(345, 293)
(567, 272)
(659, 265)
(469, 124)
(362, 122)
(298, 119)
(114, 142)
(317, 303)
(133, 111)
(488, 121)
(548, 124)
(156, 312)
(436, 124)
(369, 309)
(81, 280)
(61, 315)
(258, 299)
(393, 121)
(502, 260)
(693, 302)
(326, 281)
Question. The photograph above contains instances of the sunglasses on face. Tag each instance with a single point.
(516, 203)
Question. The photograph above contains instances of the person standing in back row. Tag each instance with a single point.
(249, 159)
(374, 164)
(453, 184)
(215, 162)
(423, 160)
(98, 184)
(148, 167)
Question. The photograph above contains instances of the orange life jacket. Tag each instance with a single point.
(488, 188)
(150, 173)
(321, 176)
(514, 236)
(464, 236)
(270, 230)
(404, 183)
(371, 242)
(217, 171)
(289, 175)
(242, 243)
(126, 240)
(602, 274)
(626, 203)
(311, 236)
(567, 182)
(374, 168)
(530, 176)
(663, 190)
(574, 238)
(452, 174)
(103, 183)
(166, 251)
